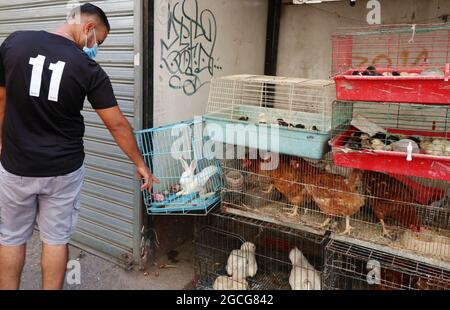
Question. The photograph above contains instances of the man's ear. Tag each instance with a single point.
(89, 27)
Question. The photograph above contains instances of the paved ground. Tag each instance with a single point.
(98, 274)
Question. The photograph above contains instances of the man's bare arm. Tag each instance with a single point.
(122, 133)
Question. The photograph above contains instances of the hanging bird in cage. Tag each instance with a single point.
(303, 277)
(242, 263)
(192, 183)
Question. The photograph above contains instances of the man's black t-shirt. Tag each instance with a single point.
(47, 79)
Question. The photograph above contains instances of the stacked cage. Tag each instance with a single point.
(238, 253)
(265, 126)
(391, 123)
(263, 180)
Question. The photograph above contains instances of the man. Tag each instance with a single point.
(44, 80)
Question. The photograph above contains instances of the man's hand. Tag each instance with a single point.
(145, 174)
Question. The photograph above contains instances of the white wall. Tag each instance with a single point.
(225, 36)
(305, 35)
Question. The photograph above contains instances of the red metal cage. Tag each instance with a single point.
(401, 63)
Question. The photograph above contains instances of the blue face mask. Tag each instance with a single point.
(91, 51)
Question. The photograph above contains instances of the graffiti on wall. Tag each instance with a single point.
(187, 51)
(405, 59)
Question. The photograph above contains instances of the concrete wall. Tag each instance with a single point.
(198, 39)
(305, 37)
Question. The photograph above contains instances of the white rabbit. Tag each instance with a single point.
(303, 275)
(224, 283)
(242, 262)
(191, 183)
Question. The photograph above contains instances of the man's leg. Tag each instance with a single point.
(59, 205)
(54, 264)
(12, 259)
(18, 208)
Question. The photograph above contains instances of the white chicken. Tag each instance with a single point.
(304, 277)
(224, 283)
(241, 263)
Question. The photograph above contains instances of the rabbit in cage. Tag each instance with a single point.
(241, 263)
(304, 277)
(192, 183)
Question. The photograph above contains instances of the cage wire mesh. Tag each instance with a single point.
(299, 109)
(354, 267)
(409, 48)
(190, 175)
(239, 253)
(408, 139)
(409, 214)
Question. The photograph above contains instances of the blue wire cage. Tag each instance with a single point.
(170, 151)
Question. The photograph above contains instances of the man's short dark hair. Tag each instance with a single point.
(90, 9)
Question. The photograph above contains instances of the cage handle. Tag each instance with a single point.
(447, 72)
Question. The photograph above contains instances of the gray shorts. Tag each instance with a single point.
(53, 203)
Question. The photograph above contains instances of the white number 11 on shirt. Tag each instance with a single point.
(36, 77)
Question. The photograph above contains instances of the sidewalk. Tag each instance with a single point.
(99, 274)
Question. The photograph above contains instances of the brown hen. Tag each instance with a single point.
(391, 199)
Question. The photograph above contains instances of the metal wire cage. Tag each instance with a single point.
(394, 47)
(407, 139)
(409, 214)
(280, 258)
(355, 267)
(400, 63)
(300, 109)
(190, 175)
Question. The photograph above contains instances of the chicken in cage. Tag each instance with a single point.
(286, 115)
(189, 173)
(238, 253)
(355, 267)
(291, 190)
(395, 138)
(411, 214)
(398, 63)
